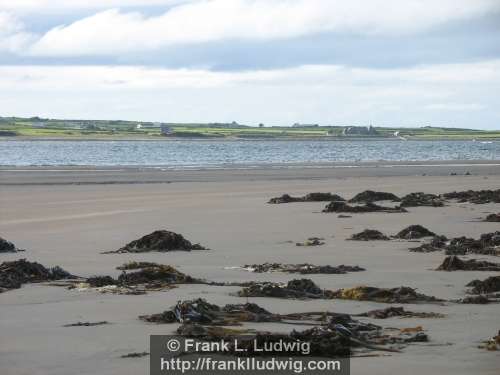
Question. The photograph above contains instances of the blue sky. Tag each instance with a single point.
(333, 62)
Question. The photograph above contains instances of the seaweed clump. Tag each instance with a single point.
(493, 218)
(294, 289)
(8, 247)
(16, 273)
(160, 240)
(400, 312)
(414, 232)
(147, 276)
(202, 312)
(492, 344)
(311, 241)
(304, 269)
(436, 244)
(368, 207)
(421, 199)
(487, 244)
(401, 294)
(369, 196)
(475, 196)
(454, 263)
(311, 197)
(486, 286)
(369, 235)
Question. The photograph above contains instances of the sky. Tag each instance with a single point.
(277, 62)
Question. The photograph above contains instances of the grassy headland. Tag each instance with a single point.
(39, 128)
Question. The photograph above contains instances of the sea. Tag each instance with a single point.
(186, 154)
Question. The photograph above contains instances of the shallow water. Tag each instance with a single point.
(217, 153)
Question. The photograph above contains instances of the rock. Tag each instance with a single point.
(488, 285)
(421, 199)
(476, 197)
(7, 247)
(369, 235)
(312, 241)
(369, 196)
(454, 263)
(368, 207)
(387, 295)
(493, 218)
(392, 311)
(311, 197)
(14, 274)
(304, 268)
(160, 240)
(414, 232)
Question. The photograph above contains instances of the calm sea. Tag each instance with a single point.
(216, 153)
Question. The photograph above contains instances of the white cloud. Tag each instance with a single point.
(13, 37)
(114, 31)
(454, 95)
(455, 107)
(61, 6)
(380, 82)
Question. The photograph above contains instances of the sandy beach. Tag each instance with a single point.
(68, 216)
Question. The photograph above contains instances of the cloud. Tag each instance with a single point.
(60, 6)
(449, 94)
(455, 107)
(13, 37)
(380, 82)
(114, 31)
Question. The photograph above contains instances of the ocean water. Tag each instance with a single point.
(217, 153)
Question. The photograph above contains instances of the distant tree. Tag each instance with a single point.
(261, 125)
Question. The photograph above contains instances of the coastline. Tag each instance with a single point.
(88, 175)
(233, 139)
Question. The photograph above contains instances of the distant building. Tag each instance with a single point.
(359, 130)
(165, 129)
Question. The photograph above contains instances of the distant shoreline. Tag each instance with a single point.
(456, 170)
(234, 139)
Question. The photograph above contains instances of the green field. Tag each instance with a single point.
(16, 127)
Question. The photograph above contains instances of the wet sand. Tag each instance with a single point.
(67, 216)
